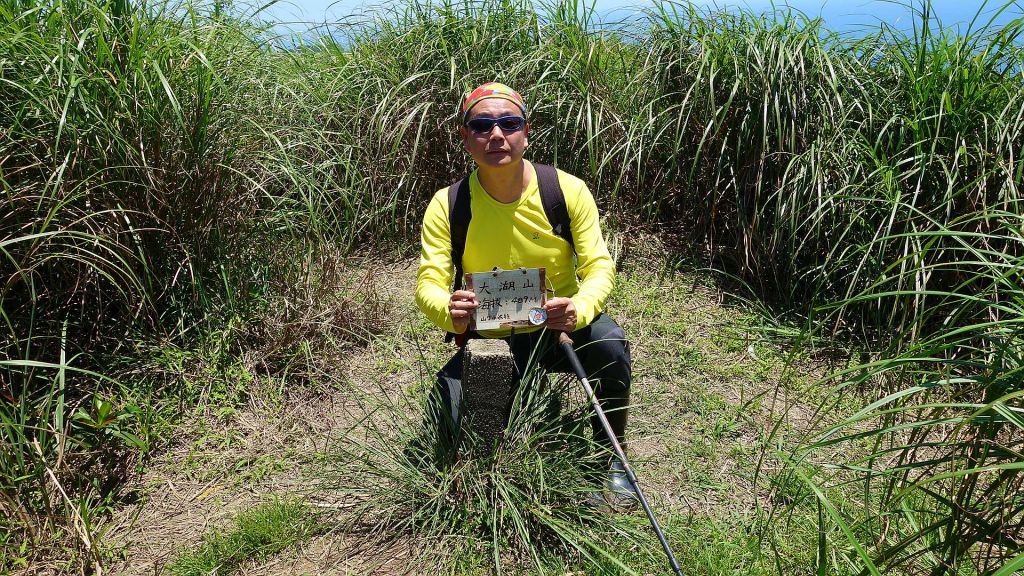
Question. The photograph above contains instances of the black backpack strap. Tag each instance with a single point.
(554, 202)
(458, 223)
(458, 227)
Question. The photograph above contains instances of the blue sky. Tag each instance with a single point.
(838, 14)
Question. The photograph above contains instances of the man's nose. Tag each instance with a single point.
(495, 130)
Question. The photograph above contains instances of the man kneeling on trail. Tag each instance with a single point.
(510, 213)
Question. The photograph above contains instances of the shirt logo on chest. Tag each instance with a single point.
(536, 235)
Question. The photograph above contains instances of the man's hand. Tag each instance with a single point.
(561, 314)
(461, 306)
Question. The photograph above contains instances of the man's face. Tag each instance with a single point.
(495, 147)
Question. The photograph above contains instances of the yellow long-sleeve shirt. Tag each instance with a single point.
(515, 235)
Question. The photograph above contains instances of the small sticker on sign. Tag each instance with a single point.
(537, 316)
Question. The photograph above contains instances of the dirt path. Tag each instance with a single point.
(706, 389)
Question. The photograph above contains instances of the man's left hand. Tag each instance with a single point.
(561, 314)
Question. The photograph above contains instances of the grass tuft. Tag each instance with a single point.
(256, 534)
(523, 506)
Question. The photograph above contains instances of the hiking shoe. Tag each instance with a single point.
(595, 500)
(619, 492)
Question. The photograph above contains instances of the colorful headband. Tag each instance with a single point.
(492, 90)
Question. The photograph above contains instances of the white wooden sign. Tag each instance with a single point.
(506, 297)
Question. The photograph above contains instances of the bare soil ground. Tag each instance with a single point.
(708, 389)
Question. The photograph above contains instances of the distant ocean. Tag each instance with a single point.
(849, 16)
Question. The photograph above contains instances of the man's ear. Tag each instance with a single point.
(463, 133)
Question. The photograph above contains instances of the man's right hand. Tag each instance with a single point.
(461, 306)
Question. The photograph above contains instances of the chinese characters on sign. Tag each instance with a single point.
(506, 296)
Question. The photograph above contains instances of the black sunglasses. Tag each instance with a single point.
(506, 123)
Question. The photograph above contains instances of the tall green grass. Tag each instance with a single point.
(127, 217)
(169, 171)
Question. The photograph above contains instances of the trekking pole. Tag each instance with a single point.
(566, 343)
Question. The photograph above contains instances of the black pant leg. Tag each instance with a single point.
(444, 407)
(604, 353)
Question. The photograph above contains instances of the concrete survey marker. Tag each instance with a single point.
(488, 373)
